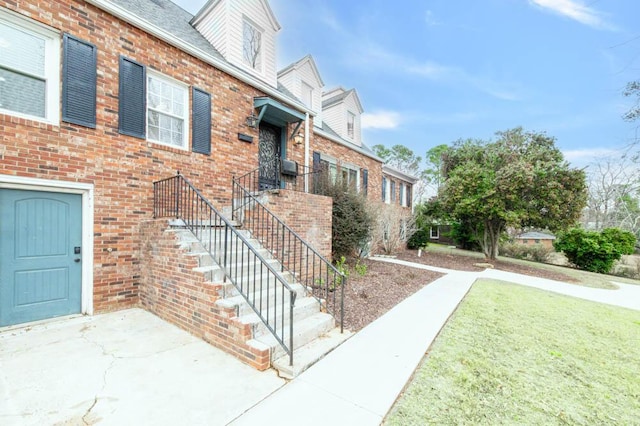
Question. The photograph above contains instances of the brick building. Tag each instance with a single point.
(99, 99)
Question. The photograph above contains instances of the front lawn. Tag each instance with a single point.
(516, 355)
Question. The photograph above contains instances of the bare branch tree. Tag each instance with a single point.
(251, 45)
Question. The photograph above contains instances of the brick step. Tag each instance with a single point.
(307, 355)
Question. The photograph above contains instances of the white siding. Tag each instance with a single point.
(223, 29)
(335, 117)
(351, 105)
(308, 76)
(214, 27)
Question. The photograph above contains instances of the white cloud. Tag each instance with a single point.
(577, 11)
(434, 71)
(380, 120)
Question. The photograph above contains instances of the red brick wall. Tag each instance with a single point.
(173, 291)
(308, 215)
(123, 168)
(342, 154)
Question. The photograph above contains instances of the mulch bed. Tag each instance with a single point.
(368, 297)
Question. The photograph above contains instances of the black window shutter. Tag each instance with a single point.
(408, 195)
(201, 126)
(79, 79)
(365, 180)
(132, 98)
(384, 189)
(316, 161)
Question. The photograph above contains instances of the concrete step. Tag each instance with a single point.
(304, 331)
(304, 308)
(179, 223)
(307, 355)
(274, 299)
(228, 289)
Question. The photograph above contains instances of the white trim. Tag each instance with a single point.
(222, 65)
(437, 233)
(186, 114)
(84, 189)
(51, 76)
(392, 171)
(349, 145)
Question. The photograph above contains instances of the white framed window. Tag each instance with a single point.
(29, 69)
(167, 111)
(251, 45)
(403, 194)
(347, 172)
(351, 125)
(434, 232)
(307, 94)
(387, 190)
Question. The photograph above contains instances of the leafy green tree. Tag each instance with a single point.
(595, 251)
(432, 174)
(400, 157)
(520, 180)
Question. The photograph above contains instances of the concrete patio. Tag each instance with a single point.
(126, 367)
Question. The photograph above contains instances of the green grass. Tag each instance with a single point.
(516, 355)
(585, 278)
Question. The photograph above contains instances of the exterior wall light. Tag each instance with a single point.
(252, 121)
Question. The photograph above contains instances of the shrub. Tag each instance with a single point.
(595, 251)
(418, 239)
(392, 227)
(536, 252)
(351, 219)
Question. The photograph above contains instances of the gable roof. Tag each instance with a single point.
(211, 4)
(397, 173)
(306, 59)
(340, 96)
(172, 24)
(534, 235)
(172, 18)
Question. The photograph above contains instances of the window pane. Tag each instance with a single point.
(21, 50)
(22, 94)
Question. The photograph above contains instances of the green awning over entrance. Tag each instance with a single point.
(276, 113)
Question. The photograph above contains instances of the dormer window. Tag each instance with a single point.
(307, 95)
(351, 125)
(251, 45)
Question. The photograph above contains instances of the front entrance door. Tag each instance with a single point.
(40, 255)
(269, 156)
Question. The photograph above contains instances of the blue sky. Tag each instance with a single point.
(433, 71)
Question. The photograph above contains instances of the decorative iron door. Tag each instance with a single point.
(269, 156)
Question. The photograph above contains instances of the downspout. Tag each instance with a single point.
(306, 153)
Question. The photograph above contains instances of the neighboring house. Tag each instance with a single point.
(99, 99)
(440, 234)
(530, 238)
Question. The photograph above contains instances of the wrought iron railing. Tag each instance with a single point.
(263, 287)
(294, 254)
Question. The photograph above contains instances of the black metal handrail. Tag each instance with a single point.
(294, 254)
(263, 287)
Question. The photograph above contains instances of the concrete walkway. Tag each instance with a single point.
(358, 383)
(130, 367)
